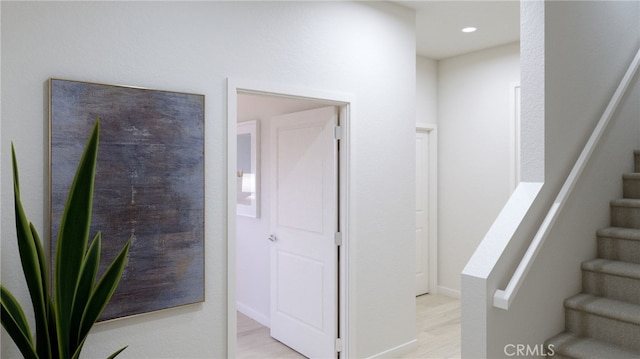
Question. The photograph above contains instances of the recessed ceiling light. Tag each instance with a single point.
(469, 29)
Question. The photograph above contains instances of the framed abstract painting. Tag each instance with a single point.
(149, 186)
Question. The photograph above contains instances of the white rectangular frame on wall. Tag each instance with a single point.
(248, 174)
(346, 276)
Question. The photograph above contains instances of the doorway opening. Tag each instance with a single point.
(426, 209)
(251, 237)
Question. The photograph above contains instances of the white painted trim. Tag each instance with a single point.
(347, 251)
(453, 293)
(396, 352)
(503, 298)
(426, 126)
(348, 248)
(232, 116)
(432, 129)
(253, 314)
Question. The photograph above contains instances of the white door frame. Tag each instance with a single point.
(347, 251)
(432, 131)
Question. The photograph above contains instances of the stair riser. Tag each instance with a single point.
(631, 188)
(568, 345)
(613, 331)
(614, 287)
(619, 249)
(628, 217)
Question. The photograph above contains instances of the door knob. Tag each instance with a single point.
(272, 238)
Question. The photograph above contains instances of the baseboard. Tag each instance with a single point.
(449, 292)
(253, 314)
(398, 351)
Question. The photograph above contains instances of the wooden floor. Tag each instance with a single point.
(254, 342)
(437, 326)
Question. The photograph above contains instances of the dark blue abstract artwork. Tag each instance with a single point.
(149, 186)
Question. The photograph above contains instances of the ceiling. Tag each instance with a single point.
(438, 36)
(252, 106)
(439, 25)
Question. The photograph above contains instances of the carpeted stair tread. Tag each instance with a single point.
(617, 268)
(620, 232)
(626, 202)
(604, 320)
(573, 346)
(604, 307)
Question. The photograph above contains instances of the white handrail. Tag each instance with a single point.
(503, 298)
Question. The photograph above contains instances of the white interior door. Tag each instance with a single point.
(422, 212)
(304, 216)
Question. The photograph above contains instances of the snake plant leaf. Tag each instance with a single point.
(32, 258)
(42, 262)
(43, 338)
(73, 236)
(103, 290)
(62, 319)
(117, 352)
(53, 330)
(85, 286)
(15, 322)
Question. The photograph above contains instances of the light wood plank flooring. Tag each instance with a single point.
(437, 325)
(254, 342)
(438, 328)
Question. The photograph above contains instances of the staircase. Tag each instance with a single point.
(604, 320)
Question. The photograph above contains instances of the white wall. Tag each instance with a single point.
(252, 246)
(364, 49)
(475, 163)
(582, 55)
(426, 90)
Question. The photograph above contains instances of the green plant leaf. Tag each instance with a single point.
(117, 352)
(62, 325)
(85, 287)
(43, 337)
(76, 355)
(42, 262)
(15, 323)
(72, 239)
(31, 257)
(104, 290)
(53, 329)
